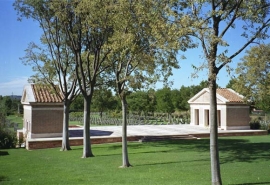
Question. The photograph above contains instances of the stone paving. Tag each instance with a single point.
(147, 130)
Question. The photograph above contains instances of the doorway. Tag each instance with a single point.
(197, 117)
(206, 117)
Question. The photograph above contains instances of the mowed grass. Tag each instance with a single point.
(244, 160)
(16, 119)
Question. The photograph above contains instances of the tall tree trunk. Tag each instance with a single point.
(87, 151)
(124, 133)
(65, 134)
(214, 152)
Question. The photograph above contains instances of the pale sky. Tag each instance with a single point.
(15, 36)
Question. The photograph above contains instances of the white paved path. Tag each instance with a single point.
(152, 130)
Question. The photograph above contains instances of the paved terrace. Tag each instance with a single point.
(149, 130)
(109, 134)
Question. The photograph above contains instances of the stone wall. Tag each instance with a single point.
(42, 143)
(47, 120)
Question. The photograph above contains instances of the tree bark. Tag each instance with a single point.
(125, 161)
(87, 151)
(214, 152)
(65, 133)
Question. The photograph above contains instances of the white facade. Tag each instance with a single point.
(230, 115)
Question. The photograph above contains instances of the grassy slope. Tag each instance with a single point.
(244, 160)
(16, 119)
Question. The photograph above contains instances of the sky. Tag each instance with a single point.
(16, 35)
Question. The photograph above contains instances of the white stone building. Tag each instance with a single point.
(232, 111)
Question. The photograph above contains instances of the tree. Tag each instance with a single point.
(142, 102)
(231, 83)
(53, 62)
(77, 104)
(210, 22)
(164, 101)
(102, 100)
(188, 92)
(141, 51)
(6, 105)
(253, 79)
(137, 101)
(87, 26)
(176, 98)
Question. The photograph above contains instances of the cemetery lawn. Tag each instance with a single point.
(16, 119)
(244, 160)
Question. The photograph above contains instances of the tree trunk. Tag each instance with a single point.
(214, 152)
(87, 151)
(65, 134)
(125, 160)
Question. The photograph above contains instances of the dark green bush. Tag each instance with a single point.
(255, 123)
(8, 138)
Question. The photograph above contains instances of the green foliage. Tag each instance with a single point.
(142, 102)
(8, 138)
(103, 100)
(115, 114)
(253, 80)
(76, 115)
(255, 122)
(265, 125)
(9, 105)
(260, 122)
(164, 100)
(77, 104)
(188, 92)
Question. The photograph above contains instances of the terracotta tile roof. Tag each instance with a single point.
(230, 95)
(45, 94)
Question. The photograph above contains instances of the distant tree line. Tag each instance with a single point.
(10, 105)
(142, 102)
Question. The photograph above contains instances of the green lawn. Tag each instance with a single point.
(244, 160)
(16, 119)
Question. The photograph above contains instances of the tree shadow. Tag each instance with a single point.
(252, 183)
(2, 153)
(3, 178)
(79, 133)
(171, 162)
(231, 150)
(237, 150)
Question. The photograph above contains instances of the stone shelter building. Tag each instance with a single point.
(42, 112)
(232, 111)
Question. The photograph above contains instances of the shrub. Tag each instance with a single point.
(255, 123)
(115, 114)
(265, 125)
(75, 116)
(8, 138)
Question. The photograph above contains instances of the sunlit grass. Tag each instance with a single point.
(16, 119)
(244, 160)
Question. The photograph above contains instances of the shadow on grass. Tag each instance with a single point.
(172, 162)
(3, 153)
(3, 178)
(252, 183)
(231, 150)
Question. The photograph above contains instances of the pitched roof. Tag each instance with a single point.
(224, 95)
(45, 94)
(37, 93)
(230, 95)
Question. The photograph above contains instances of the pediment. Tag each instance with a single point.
(28, 96)
(204, 97)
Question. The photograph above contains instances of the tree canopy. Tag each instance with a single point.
(253, 80)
